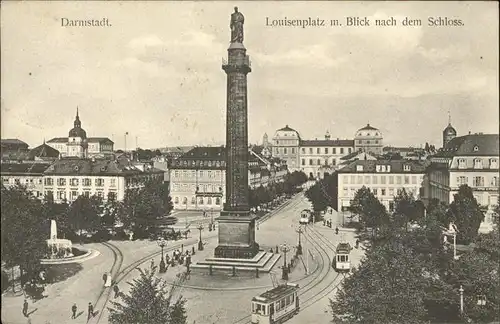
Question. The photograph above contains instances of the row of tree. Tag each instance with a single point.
(323, 193)
(410, 276)
(265, 195)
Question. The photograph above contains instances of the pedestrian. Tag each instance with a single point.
(91, 312)
(104, 277)
(25, 308)
(73, 310)
(117, 290)
(357, 243)
(336, 230)
(152, 263)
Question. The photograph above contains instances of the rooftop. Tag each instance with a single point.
(77, 166)
(43, 151)
(12, 141)
(287, 129)
(23, 168)
(471, 145)
(397, 166)
(277, 292)
(368, 127)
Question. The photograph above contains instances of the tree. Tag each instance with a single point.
(370, 210)
(405, 210)
(386, 288)
(58, 212)
(148, 301)
(465, 212)
(84, 214)
(24, 232)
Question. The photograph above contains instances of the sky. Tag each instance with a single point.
(156, 71)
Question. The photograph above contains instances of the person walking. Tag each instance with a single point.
(25, 308)
(116, 290)
(104, 277)
(91, 312)
(73, 310)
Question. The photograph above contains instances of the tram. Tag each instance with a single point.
(342, 262)
(276, 305)
(305, 217)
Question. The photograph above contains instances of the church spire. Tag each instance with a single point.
(77, 122)
(449, 117)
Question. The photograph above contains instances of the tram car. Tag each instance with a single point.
(342, 262)
(305, 217)
(276, 305)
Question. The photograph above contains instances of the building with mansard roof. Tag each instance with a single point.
(198, 178)
(77, 144)
(29, 175)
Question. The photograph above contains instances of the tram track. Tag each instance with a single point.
(312, 284)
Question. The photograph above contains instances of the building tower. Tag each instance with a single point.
(77, 139)
(449, 132)
(236, 224)
(265, 140)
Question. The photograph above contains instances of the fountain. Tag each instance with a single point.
(59, 248)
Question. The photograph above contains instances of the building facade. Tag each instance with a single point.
(369, 139)
(77, 144)
(385, 178)
(466, 160)
(66, 179)
(29, 175)
(285, 146)
(198, 178)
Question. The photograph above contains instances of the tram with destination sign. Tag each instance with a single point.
(276, 305)
(305, 217)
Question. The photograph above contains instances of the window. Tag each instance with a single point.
(293, 150)
(61, 195)
(49, 181)
(359, 167)
(407, 179)
(334, 150)
(345, 192)
(184, 201)
(375, 192)
(86, 182)
(341, 150)
(461, 164)
(326, 150)
(285, 151)
(310, 150)
(99, 182)
(61, 182)
(478, 164)
(391, 192)
(277, 149)
(367, 179)
(74, 195)
(201, 174)
(86, 194)
(478, 182)
(200, 201)
(100, 194)
(494, 181)
(176, 173)
(303, 150)
(345, 179)
(461, 180)
(382, 179)
(374, 180)
(310, 162)
(319, 161)
(349, 150)
(360, 179)
(407, 167)
(318, 150)
(111, 196)
(414, 180)
(398, 179)
(303, 161)
(112, 182)
(391, 179)
(217, 201)
(493, 163)
(209, 200)
(382, 192)
(353, 179)
(476, 148)
(391, 206)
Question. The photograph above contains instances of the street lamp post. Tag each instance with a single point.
(461, 290)
(200, 243)
(299, 247)
(162, 243)
(285, 249)
(455, 246)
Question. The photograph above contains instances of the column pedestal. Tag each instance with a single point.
(236, 236)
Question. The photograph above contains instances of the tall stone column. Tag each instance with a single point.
(236, 224)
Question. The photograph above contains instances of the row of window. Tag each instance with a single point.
(381, 192)
(193, 174)
(193, 187)
(86, 182)
(367, 142)
(319, 162)
(382, 179)
(476, 181)
(201, 200)
(7, 180)
(478, 164)
(73, 195)
(326, 150)
(383, 168)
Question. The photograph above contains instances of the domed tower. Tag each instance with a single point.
(368, 139)
(449, 132)
(327, 135)
(77, 139)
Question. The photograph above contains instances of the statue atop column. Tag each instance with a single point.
(237, 20)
